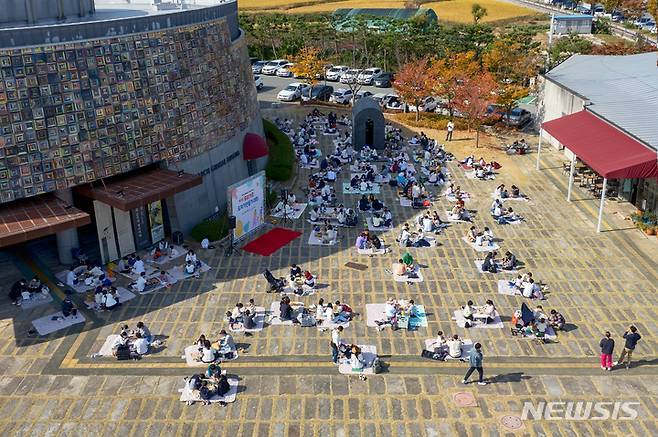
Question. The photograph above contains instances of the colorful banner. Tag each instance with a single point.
(247, 199)
(155, 219)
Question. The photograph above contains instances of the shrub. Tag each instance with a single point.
(271, 198)
(213, 229)
(430, 121)
(281, 161)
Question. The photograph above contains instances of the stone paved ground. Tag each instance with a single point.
(289, 387)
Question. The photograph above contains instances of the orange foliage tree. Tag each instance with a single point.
(414, 82)
(449, 72)
(472, 97)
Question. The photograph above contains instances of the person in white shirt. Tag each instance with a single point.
(304, 160)
(140, 283)
(71, 278)
(140, 345)
(207, 353)
(388, 217)
(405, 237)
(331, 175)
(449, 127)
(332, 234)
(488, 236)
(490, 310)
(319, 312)
(454, 347)
(111, 300)
(138, 267)
(377, 220)
(529, 288)
(467, 311)
(439, 342)
(336, 341)
(363, 186)
(191, 257)
(205, 243)
(356, 359)
(428, 224)
(314, 215)
(189, 268)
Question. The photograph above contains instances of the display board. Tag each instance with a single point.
(247, 204)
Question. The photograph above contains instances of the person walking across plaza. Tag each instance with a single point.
(607, 346)
(450, 127)
(632, 338)
(475, 363)
(335, 343)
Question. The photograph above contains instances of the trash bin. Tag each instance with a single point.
(177, 238)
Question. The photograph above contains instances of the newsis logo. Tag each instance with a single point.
(580, 410)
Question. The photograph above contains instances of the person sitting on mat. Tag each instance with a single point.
(295, 271)
(285, 310)
(454, 347)
(69, 308)
(248, 319)
(490, 310)
(467, 312)
(509, 261)
(399, 268)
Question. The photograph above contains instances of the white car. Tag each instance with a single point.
(285, 71)
(366, 76)
(361, 94)
(342, 96)
(271, 67)
(258, 81)
(350, 75)
(335, 72)
(293, 92)
(427, 104)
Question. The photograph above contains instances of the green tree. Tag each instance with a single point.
(564, 47)
(478, 12)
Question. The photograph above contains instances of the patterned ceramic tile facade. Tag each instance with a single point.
(76, 112)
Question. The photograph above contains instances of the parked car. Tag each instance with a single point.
(366, 76)
(387, 98)
(362, 93)
(598, 10)
(318, 92)
(394, 103)
(495, 110)
(335, 72)
(617, 16)
(427, 104)
(258, 81)
(383, 80)
(285, 71)
(271, 67)
(350, 75)
(257, 67)
(517, 117)
(293, 92)
(644, 19)
(378, 97)
(342, 96)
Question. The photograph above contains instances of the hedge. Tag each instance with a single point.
(281, 161)
(213, 229)
(430, 121)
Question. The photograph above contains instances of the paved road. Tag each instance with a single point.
(274, 84)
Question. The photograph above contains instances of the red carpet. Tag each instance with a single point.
(272, 241)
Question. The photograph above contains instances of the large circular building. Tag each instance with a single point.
(127, 116)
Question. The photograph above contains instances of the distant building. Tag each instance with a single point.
(567, 24)
(378, 17)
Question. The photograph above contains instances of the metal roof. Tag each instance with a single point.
(398, 13)
(621, 89)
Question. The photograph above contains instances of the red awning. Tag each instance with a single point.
(254, 147)
(606, 149)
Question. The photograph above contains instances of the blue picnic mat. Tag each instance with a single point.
(420, 319)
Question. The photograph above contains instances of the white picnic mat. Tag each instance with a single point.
(450, 219)
(45, 325)
(178, 272)
(298, 210)
(347, 189)
(259, 320)
(328, 324)
(505, 288)
(375, 311)
(315, 241)
(275, 313)
(461, 322)
(372, 228)
(308, 291)
(372, 251)
(431, 240)
(479, 262)
(369, 353)
(405, 202)
(487, 248)
(124, 296)
(452, 198)
(189, 357)
(309, 166)
(80, 287)
(405, 278)
(467, 347)
(106, 349)
(188, 395)
(180, 251)
(36, 300)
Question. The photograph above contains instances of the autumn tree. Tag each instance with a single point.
(473, 96)
(414, 82)
(447, 74)
(308, 65)
(478, 12)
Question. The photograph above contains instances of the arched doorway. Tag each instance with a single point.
(370, 132)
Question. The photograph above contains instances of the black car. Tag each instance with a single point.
(383, 80)
(319, 92)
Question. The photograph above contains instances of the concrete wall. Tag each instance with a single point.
(220, 167)
(559, 102)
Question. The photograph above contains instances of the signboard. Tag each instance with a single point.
(155, 219)
(140, 227)
(247, 204)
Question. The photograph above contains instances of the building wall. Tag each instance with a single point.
(558, 102)
(569, 26)
(220, 167)
(73, 113)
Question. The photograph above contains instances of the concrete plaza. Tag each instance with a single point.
(288, 385)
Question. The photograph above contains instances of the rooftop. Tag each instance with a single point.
(621, 89)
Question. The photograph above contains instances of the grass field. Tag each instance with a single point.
(458, 11)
